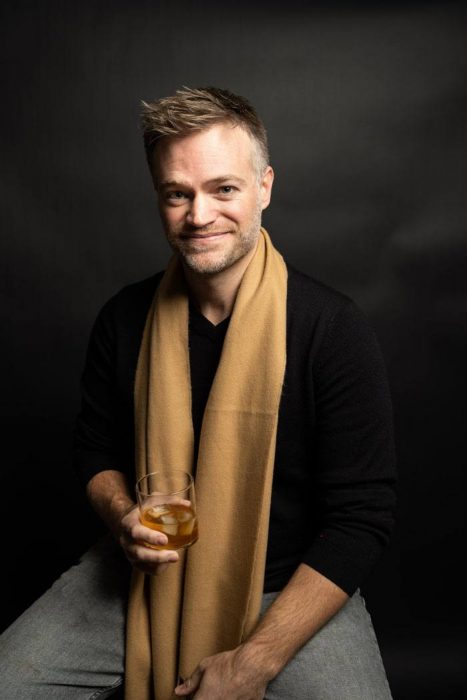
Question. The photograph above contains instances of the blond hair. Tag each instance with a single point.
(195, 109)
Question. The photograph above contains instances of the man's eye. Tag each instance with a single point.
(227, 189)
(175, 195)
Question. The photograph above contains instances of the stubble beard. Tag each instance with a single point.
(206, 263)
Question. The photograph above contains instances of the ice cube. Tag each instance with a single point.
(186, 528)
(168, 519)
(184, 515)
(169, 523)
(158, 512)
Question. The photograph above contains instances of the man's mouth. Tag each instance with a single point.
(203, 236)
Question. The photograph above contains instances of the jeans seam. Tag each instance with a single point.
(101, 691)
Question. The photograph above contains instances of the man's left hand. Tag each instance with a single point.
(230, 674)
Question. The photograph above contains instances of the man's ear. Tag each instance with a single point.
(266, 187)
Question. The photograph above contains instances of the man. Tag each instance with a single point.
(270, 388)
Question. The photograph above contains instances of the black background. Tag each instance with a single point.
(366, 108)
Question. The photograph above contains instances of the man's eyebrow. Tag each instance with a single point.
(214, 181)
(226, 178)
(172, 183)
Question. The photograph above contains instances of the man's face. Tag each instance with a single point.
(210, 196)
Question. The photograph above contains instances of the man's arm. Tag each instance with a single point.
(306, 603)
(109, 495)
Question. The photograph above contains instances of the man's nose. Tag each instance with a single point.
(201, 212)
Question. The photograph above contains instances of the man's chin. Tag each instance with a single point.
(201, 265)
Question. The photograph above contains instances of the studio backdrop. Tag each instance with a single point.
(366, 109)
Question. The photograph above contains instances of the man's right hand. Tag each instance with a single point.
(133, 535)
(110, 497)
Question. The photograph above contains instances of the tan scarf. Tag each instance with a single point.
(209, 601)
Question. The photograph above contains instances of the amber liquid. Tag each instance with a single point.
(175, 520)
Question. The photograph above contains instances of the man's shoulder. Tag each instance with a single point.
(325, 317)
(139, 290)
(307, 294)
(132, 300)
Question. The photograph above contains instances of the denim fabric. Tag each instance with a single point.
(69, 644)
(341, 662)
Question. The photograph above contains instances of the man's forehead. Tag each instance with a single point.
(210, 154)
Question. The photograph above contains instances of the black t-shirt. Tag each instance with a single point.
(333, 498)
(205, 342)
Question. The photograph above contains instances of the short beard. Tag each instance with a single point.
(245, 242)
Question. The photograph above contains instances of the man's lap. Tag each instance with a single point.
(70, 643)
(341, 662)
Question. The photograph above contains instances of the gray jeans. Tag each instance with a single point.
(69, 644)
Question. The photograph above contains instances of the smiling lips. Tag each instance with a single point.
(201, 236)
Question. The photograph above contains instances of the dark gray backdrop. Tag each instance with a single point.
(366, 108)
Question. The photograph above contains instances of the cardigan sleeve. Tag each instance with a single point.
(354, 456)
(104, 428)
(97, 440)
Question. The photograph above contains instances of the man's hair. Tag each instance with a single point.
(195, 109)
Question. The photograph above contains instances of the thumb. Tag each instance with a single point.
(191, 684)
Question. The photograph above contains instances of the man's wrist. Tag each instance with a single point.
(118, 508)
(109, 495)
(261, 657)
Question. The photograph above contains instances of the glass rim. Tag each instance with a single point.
(166, 473)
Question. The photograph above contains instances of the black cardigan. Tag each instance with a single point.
(333, 494)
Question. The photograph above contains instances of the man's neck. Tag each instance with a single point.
(215, 294)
